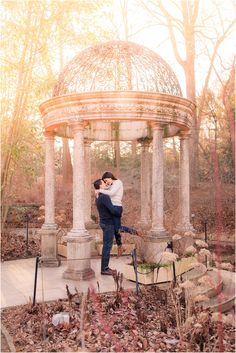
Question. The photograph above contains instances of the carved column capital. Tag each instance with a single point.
(184, 135)
(77, 126)
(144, 141)
(49, 135)
(157, 126)
(87, 142)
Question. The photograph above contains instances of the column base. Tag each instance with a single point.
(79, 275)
(78, 256)
(145, 225)
(45, 262)
(90, 224)
(159, 233)
(49, 256)
(50, 226)
(180, 245)
(74, 233)
(154, 247)
(181, 228)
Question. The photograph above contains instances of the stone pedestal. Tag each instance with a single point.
(154, 246)
(91, 225)
(49, 256)
(180, 245)
(184, 224)
(78, 240)
(78, 257)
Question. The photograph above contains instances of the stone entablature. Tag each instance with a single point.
(119, 106)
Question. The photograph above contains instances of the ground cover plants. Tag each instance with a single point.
(120, 321)
(15, 246)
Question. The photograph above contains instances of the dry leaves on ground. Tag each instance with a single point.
(118, 321)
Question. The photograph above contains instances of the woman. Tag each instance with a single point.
(115, 191)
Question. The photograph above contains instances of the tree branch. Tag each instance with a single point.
(172, 35)
(217, 45)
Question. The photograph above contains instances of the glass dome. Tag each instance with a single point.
(117, 66)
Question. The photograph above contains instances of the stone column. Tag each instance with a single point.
(49, 222)
(49, 229)
(145, 219)
(157, 183)
(78, 240)
(184, 186)
(89, 223)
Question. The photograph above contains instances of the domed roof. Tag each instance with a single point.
(117, 66)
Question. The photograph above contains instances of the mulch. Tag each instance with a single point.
(15, 247)
(119, 321)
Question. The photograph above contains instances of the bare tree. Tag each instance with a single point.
(229, 103)
(12, 137)
(31, 51)
(185, 24)
(66, 156)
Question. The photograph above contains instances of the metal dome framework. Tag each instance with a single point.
(117, 66)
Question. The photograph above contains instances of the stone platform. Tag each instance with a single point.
(17, 281)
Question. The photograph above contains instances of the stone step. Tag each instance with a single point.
(224, 300)
(218, 287)
(194, 274)
(211, 286)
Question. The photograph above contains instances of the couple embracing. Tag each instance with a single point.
(109, 193)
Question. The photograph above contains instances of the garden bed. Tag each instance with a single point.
(152, 274)
(119, 321)
(14, 246)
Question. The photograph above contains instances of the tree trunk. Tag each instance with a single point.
(66, 164)
(189, 69)
(133, 149)
(229, 99)
(117, 157)
(13, 135)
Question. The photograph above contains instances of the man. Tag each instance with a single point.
(107, 212)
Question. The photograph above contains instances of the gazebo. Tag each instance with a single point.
(114, 91)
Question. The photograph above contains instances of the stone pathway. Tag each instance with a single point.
(4, 344)
(17, 279)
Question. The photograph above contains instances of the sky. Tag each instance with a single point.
(156, 37)
(141, 31)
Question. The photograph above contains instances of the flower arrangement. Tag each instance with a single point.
(204, 252)
(190, 234)
(168, 257)
(176, 237)
(227, 266)
(201, 244)
(190, 250)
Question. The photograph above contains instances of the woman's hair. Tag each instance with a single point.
(108, 175)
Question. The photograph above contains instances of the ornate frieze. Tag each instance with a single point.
(140, 107)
